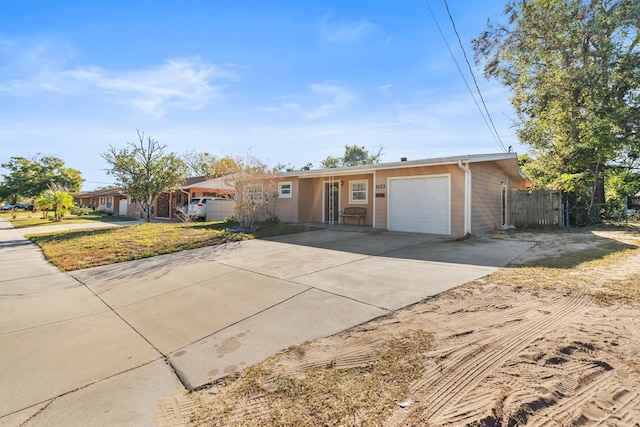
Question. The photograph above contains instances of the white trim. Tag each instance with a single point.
(442, 175)
(467, 197)
(285, 196)
(504, 204)
(366, 192)
(375, 199)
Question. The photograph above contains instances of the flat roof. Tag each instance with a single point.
(508, 161)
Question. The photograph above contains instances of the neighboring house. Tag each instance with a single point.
(107, 200)
(449, 195)
(167, 204)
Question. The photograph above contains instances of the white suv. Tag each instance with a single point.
(198, 206)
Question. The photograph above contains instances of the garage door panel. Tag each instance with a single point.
(419, 205)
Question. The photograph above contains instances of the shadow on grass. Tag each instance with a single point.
(60, 236)
(262, 231)
(104, 246)
(36, 220)
(570, 248)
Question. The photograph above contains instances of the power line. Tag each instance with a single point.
(491, 128)
(464, 53)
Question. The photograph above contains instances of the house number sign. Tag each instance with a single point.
(381, 186)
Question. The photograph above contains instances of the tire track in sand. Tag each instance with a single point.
(463, 370)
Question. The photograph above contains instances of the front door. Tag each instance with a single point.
(163, 205)
(331, 202)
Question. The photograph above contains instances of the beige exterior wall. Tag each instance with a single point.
(457, 192)
(307, 203)
(309, 196)
(287, 208)
(487, 180)
(310, 200)
(345, 190)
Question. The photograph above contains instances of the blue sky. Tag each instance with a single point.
(289, 81)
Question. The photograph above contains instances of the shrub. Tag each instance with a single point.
(80, 210)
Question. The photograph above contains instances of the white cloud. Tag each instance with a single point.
(385, 89)
(179, 83)
(340, 98)
(28, 67)
(345, 31)
(33, 67)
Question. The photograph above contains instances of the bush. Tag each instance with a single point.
(80, 210)
(273, 220)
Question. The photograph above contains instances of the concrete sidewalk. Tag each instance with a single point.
(102, 346)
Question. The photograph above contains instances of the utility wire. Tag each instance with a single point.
(497, 139)
(464, 53)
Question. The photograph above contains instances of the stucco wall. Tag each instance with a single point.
(287, 208)
(345, 195)
(310, 200)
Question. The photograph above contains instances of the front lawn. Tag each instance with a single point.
(75, 250)
(34, 219)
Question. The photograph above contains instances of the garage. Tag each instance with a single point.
(420, 204)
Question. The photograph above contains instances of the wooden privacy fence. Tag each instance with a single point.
(540, 208)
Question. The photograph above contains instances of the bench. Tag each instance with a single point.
(353, 212)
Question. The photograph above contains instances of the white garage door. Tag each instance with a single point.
(420, 205)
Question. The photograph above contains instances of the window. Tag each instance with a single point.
(255, 193)
(103, 201)
(284, 190)
(358, 191)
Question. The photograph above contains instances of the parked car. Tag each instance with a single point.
(7, 207)
(198, 206)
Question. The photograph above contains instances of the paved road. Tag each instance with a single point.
(102, 346)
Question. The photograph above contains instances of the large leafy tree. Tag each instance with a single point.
(143, 170)
(28, 178)
(354, 155)
(573, 69)
(206, 164)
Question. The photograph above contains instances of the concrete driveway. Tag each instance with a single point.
(102, 346)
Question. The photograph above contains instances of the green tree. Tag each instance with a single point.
(206, 164)
(28, 178)
(143, 170)
(290, 168)
(573, 69)
(622, 183)
(55, 200)
(354, 155)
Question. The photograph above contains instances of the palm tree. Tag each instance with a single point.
(57, 201)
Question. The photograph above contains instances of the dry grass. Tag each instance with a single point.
(331, 395)
(74, 250)
(603, 267)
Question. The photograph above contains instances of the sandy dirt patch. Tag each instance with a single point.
(551, 339)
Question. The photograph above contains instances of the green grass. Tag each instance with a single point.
(34, 219)
(74, 250)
